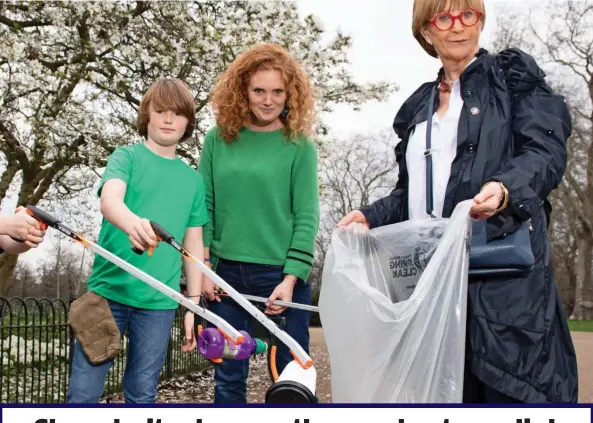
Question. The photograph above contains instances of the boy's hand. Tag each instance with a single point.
(24, 228)
(208, 290)
(142, 236)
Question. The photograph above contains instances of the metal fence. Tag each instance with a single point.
(36, 346)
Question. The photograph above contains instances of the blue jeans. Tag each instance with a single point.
(149, 332)
(230, 377)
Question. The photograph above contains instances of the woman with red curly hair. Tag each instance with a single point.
(260, 169)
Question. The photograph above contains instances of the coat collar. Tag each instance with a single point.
(469, 69)
(415, 108)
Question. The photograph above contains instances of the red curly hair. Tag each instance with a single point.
(230, 101)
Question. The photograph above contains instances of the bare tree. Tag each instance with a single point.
(353, 172)
(22, 281)
(560, 36)
(63, 273)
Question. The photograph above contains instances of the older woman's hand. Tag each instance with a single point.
(353, 216)
(488, 201)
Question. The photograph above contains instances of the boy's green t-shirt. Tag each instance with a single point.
(166, 191)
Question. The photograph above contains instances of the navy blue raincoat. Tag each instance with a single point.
(518, 340)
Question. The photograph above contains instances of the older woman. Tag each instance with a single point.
(498, 135)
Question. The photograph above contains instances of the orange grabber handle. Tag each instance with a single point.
(150, 249)
(32, 214)
(162, 235)
(45, 219)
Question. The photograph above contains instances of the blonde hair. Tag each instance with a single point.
(424, 10)
(168, 94)
(230, 101)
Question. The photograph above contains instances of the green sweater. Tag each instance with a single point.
(262, 196)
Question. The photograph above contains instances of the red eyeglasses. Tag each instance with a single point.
(444, 21)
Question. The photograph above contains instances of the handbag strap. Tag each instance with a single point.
(428, 155)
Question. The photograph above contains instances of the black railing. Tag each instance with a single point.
(36, 346)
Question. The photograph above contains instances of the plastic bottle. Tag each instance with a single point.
(212, 344)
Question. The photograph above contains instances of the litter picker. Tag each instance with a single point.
(45, 220)
(297, 382)
(299, 306)
(298, 379)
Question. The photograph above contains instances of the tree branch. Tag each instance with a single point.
(14, 147)
(43, 185)
(578, 209)
(17, 25)
(7, 176)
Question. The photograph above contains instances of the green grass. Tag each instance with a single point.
(581, 325)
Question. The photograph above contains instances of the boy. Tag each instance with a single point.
(19, 226)
(145, 182)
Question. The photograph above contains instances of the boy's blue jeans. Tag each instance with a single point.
(149, 332)
(230, 376)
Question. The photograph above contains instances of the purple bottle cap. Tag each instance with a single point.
(211, 343)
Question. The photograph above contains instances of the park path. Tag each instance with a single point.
(199, 387)
(583, 344)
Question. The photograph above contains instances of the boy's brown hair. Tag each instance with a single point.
(168, 94)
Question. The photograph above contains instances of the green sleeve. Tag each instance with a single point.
(119, 166)
(305, 211)
(205, 169)
(199, 214)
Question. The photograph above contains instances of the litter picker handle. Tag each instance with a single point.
(161, 233)
(42, 217)
(45, 219)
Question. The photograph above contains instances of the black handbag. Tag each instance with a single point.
(507, 256)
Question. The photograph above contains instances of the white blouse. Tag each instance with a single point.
(444, 149)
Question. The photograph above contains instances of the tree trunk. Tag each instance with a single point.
(7, 265)
(7, 178)
(570, 297)
(583, 307)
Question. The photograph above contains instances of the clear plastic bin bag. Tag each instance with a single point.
(393, 310)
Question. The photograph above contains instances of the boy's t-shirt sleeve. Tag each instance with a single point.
(119, 166)
(199, 213)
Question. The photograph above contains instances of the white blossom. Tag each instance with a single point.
(113, 61)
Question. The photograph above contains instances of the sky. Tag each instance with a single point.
(383, 50)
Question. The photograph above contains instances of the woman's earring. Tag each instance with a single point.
(285, 112)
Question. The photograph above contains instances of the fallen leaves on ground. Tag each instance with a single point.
(198, 387)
